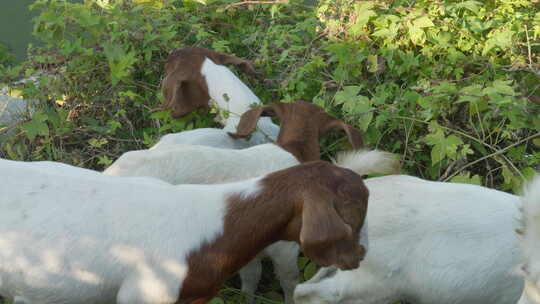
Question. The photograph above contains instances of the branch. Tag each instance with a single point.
(529, 48)
(256, 2)
(492, 155)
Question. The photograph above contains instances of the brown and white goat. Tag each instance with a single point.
(196, 78)
(100, 239)
(186, 86)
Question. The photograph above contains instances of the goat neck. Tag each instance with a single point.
(302, 125)
(310, 204)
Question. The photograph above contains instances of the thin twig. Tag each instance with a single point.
(123, 139)
(528, 47)
(256, 2)
(512, 166)
(447, 171)
(492, 155)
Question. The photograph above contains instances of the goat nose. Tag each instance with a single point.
(349, 265)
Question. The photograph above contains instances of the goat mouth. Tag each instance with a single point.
(349, 264)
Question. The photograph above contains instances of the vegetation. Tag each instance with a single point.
(451, 86)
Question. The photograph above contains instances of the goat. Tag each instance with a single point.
(103, 239)
(430, 242)
(195, 77)
(298, 141)
(302, 123)
(531, 243)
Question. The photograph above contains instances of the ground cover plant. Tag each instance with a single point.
(453, 87)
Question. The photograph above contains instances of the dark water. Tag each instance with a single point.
(16, 26)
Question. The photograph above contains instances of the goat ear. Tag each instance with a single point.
(322, 228)
(246, 65)
(248, 120)
(168, 88)
(184, 95)
(354, 135)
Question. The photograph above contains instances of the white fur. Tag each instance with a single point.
(65, 169)
(430, 242)
(369, 162)
(227, 90)
(232, 98)
(212, 137)
(531, 243)
(190, 164)
(97, 239)
(187, 164)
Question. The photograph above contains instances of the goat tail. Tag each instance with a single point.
(365, 162)
(531, 211)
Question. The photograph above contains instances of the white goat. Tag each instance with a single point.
(430, 242)
(531, 243)
(302, 124)
(102, 239)
(196, 78)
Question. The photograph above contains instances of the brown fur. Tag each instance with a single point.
(302, 125)
(317, 204)
(184, 87)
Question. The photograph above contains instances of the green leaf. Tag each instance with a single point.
(501, 38)
(417, 35)
(372, 63)
(104, 160)
(216, 300)
(511, 180)
(36, 126)
(9, 150)
(422, 22)
(364, 13)
(310, 270)
(274, 9)
(120, 61)
(221, 46)
(528, 172)
(365, 121)
(84, 17)
(355, 104)
(500, 87)
(443, 146)
(97, 143)
(348, 93)
(473, 6)
(465, 178)
(302, 262)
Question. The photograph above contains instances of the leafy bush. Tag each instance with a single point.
(451, 86)
(456, 78)
(6, 57)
